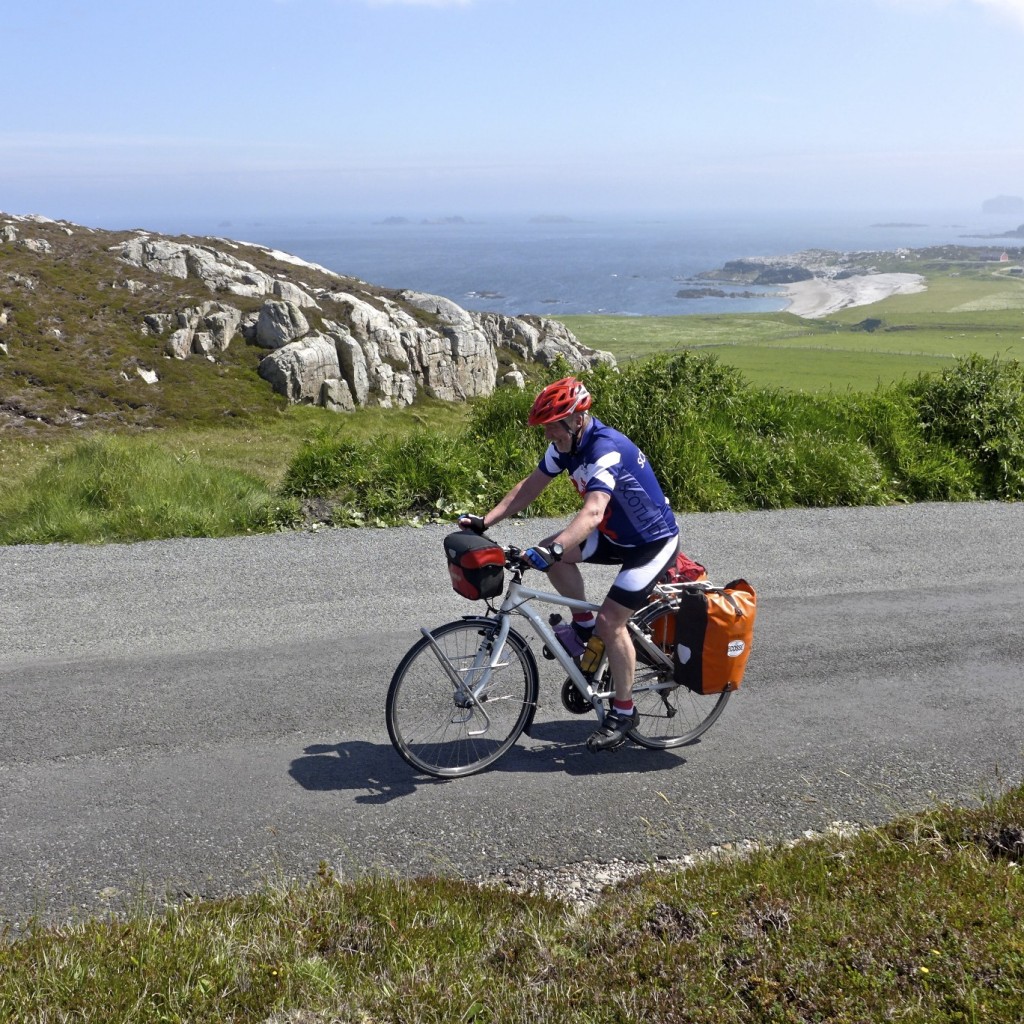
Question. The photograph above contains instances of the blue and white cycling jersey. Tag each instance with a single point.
(606, 460)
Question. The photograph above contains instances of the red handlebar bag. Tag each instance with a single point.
(475, 564)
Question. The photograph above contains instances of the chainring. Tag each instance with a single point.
(573, 701)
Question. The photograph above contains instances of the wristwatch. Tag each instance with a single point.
(557, 550)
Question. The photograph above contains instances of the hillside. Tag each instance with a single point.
(137, 329)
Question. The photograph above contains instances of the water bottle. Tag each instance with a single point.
(591, 656)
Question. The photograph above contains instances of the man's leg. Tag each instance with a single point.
(611, 628)
(567, 579)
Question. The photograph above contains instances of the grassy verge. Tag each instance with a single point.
(921, 920)
(187, 480)
(717, 443)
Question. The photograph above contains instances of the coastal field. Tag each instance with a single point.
(959, 311)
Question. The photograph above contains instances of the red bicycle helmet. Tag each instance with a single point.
(559, 400)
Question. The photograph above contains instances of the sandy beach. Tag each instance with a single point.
(821, 296)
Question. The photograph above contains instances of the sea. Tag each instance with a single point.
(558, 266)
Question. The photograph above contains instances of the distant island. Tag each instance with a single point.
(1017, 232)
(1003, 205)
(401, 221)
(899, 224)
(720, 293)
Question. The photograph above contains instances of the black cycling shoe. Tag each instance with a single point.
(613, 732)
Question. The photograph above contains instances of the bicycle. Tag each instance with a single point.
(466, 690)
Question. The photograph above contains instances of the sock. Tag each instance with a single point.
(625, 709)
(584, 623)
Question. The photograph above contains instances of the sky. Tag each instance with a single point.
(120, 110)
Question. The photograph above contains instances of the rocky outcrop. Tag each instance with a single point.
(204, 330)
(761, 272)
(300, 368)
(538, 339)
(280, 323)
(344, 347)
(218, 271)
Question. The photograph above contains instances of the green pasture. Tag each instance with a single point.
(961, 313)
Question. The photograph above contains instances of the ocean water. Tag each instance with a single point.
(625, 266)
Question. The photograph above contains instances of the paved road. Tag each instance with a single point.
(190, 717)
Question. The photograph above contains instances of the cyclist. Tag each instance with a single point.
(625, 520)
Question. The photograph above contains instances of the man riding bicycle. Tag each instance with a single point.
(625, 520)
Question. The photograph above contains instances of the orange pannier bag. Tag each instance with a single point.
(714, 632)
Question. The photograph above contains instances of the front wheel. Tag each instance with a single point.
(670, 715)
(450, 730)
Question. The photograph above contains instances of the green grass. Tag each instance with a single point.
(778, 350)
(717, 443)
(921, 920)
(819, 370)
(118, 489)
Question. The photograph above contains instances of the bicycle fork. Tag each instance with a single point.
(470, 684)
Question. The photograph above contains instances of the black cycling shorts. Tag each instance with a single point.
(642, 566)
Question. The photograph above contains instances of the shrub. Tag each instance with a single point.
(717, 443)
(977, 408)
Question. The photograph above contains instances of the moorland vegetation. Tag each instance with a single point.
(921, 920)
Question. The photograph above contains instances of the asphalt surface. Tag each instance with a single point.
(190, 718)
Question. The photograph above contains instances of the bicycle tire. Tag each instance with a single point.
(436, 733)
(670, 715)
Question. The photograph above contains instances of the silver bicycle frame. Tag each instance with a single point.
(471, 683)
(518, 600)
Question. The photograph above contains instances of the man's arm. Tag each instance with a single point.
(519, 497)
(583, 524)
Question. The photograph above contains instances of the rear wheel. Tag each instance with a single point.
(670, 715)
(448, 730)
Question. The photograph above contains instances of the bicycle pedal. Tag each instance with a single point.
(605, 750)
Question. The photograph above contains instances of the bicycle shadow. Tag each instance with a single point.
(382, 776)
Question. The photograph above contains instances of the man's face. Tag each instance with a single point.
(561, 432)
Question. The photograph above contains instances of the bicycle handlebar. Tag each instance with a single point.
(514, 559)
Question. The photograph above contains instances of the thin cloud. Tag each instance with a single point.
(1012, 9)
